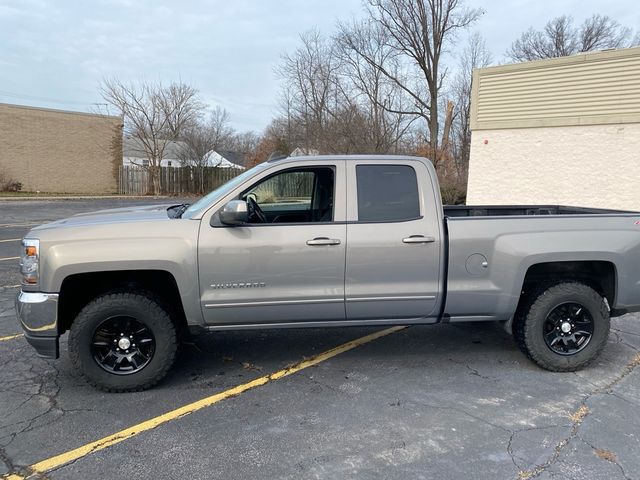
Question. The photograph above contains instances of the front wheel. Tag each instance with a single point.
(562, 327)
(123, 342)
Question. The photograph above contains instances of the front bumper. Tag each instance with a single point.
(38, 315)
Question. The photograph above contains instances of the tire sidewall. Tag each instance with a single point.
(144, 310)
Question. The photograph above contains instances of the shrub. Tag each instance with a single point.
(453, 193)
(9, 184)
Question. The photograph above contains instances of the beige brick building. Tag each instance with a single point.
(560, 131)
(58, 151)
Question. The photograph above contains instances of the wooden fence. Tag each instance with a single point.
(173, 180)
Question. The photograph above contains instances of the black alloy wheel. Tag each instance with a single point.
(568, 328)
(122, 345)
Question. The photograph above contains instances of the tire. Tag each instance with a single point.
(544, 314)
(97, 341)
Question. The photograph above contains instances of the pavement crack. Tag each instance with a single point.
(626, 332)
(519, 431)
(322, 384)
(472, 371)
(6, 459)
(620, 340)
(462, 411)
(511, 433)
(606, 456)
(586, 380)
(43, 382)
(577, 418)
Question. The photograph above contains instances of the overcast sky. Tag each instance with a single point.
(54, 53)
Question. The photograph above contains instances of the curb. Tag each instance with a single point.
(85, 197)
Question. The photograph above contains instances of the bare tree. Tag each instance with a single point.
(313, 94)
(379, 100)
(560, 37)
(418, 33)
(244, 143)
(202, 139)
(362, 90)
(272, 142)
(154, 115)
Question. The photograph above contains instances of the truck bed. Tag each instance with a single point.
(522, 210)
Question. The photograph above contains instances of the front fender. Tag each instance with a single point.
(166, 246)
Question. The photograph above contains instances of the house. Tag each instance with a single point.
(303, 152)
(558, 131)
(215, 159)
(134, 154)
(237, 158)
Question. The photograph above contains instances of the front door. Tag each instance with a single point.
(394, 247)
(287, 264)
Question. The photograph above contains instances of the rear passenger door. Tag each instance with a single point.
(394, 241)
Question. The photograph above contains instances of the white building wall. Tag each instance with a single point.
(588, 166)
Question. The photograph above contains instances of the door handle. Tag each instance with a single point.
(418, 239)
(323, 241)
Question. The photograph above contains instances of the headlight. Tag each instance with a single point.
(29, 261)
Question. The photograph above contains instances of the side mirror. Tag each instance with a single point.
(234, 213)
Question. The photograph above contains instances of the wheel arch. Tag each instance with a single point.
(601, 275)
(79, 289)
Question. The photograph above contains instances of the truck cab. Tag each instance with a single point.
(308, 240)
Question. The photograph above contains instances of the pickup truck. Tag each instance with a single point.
(316, 242)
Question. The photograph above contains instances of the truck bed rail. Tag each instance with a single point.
(509, 210)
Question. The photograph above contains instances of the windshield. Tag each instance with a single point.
(221, 191)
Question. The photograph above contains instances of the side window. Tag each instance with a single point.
(288, 188)
(387, 193)
(294, 196)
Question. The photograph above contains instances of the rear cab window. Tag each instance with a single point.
(387, 193)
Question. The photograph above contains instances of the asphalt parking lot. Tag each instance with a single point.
(433, 402)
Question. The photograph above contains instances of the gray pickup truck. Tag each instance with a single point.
(316, 242)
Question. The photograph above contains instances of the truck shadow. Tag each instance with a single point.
(213, 359)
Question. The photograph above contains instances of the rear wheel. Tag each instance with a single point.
(123, 342)
(562, 327)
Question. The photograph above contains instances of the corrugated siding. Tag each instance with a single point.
(587, 89)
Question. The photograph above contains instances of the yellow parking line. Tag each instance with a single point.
(115, 438)
(9, 258)
(11, 337)
(9, 286)
(10, 240)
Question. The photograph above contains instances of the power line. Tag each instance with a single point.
(18, 96)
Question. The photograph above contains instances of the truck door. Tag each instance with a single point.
(394, 241)
(286, 265)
